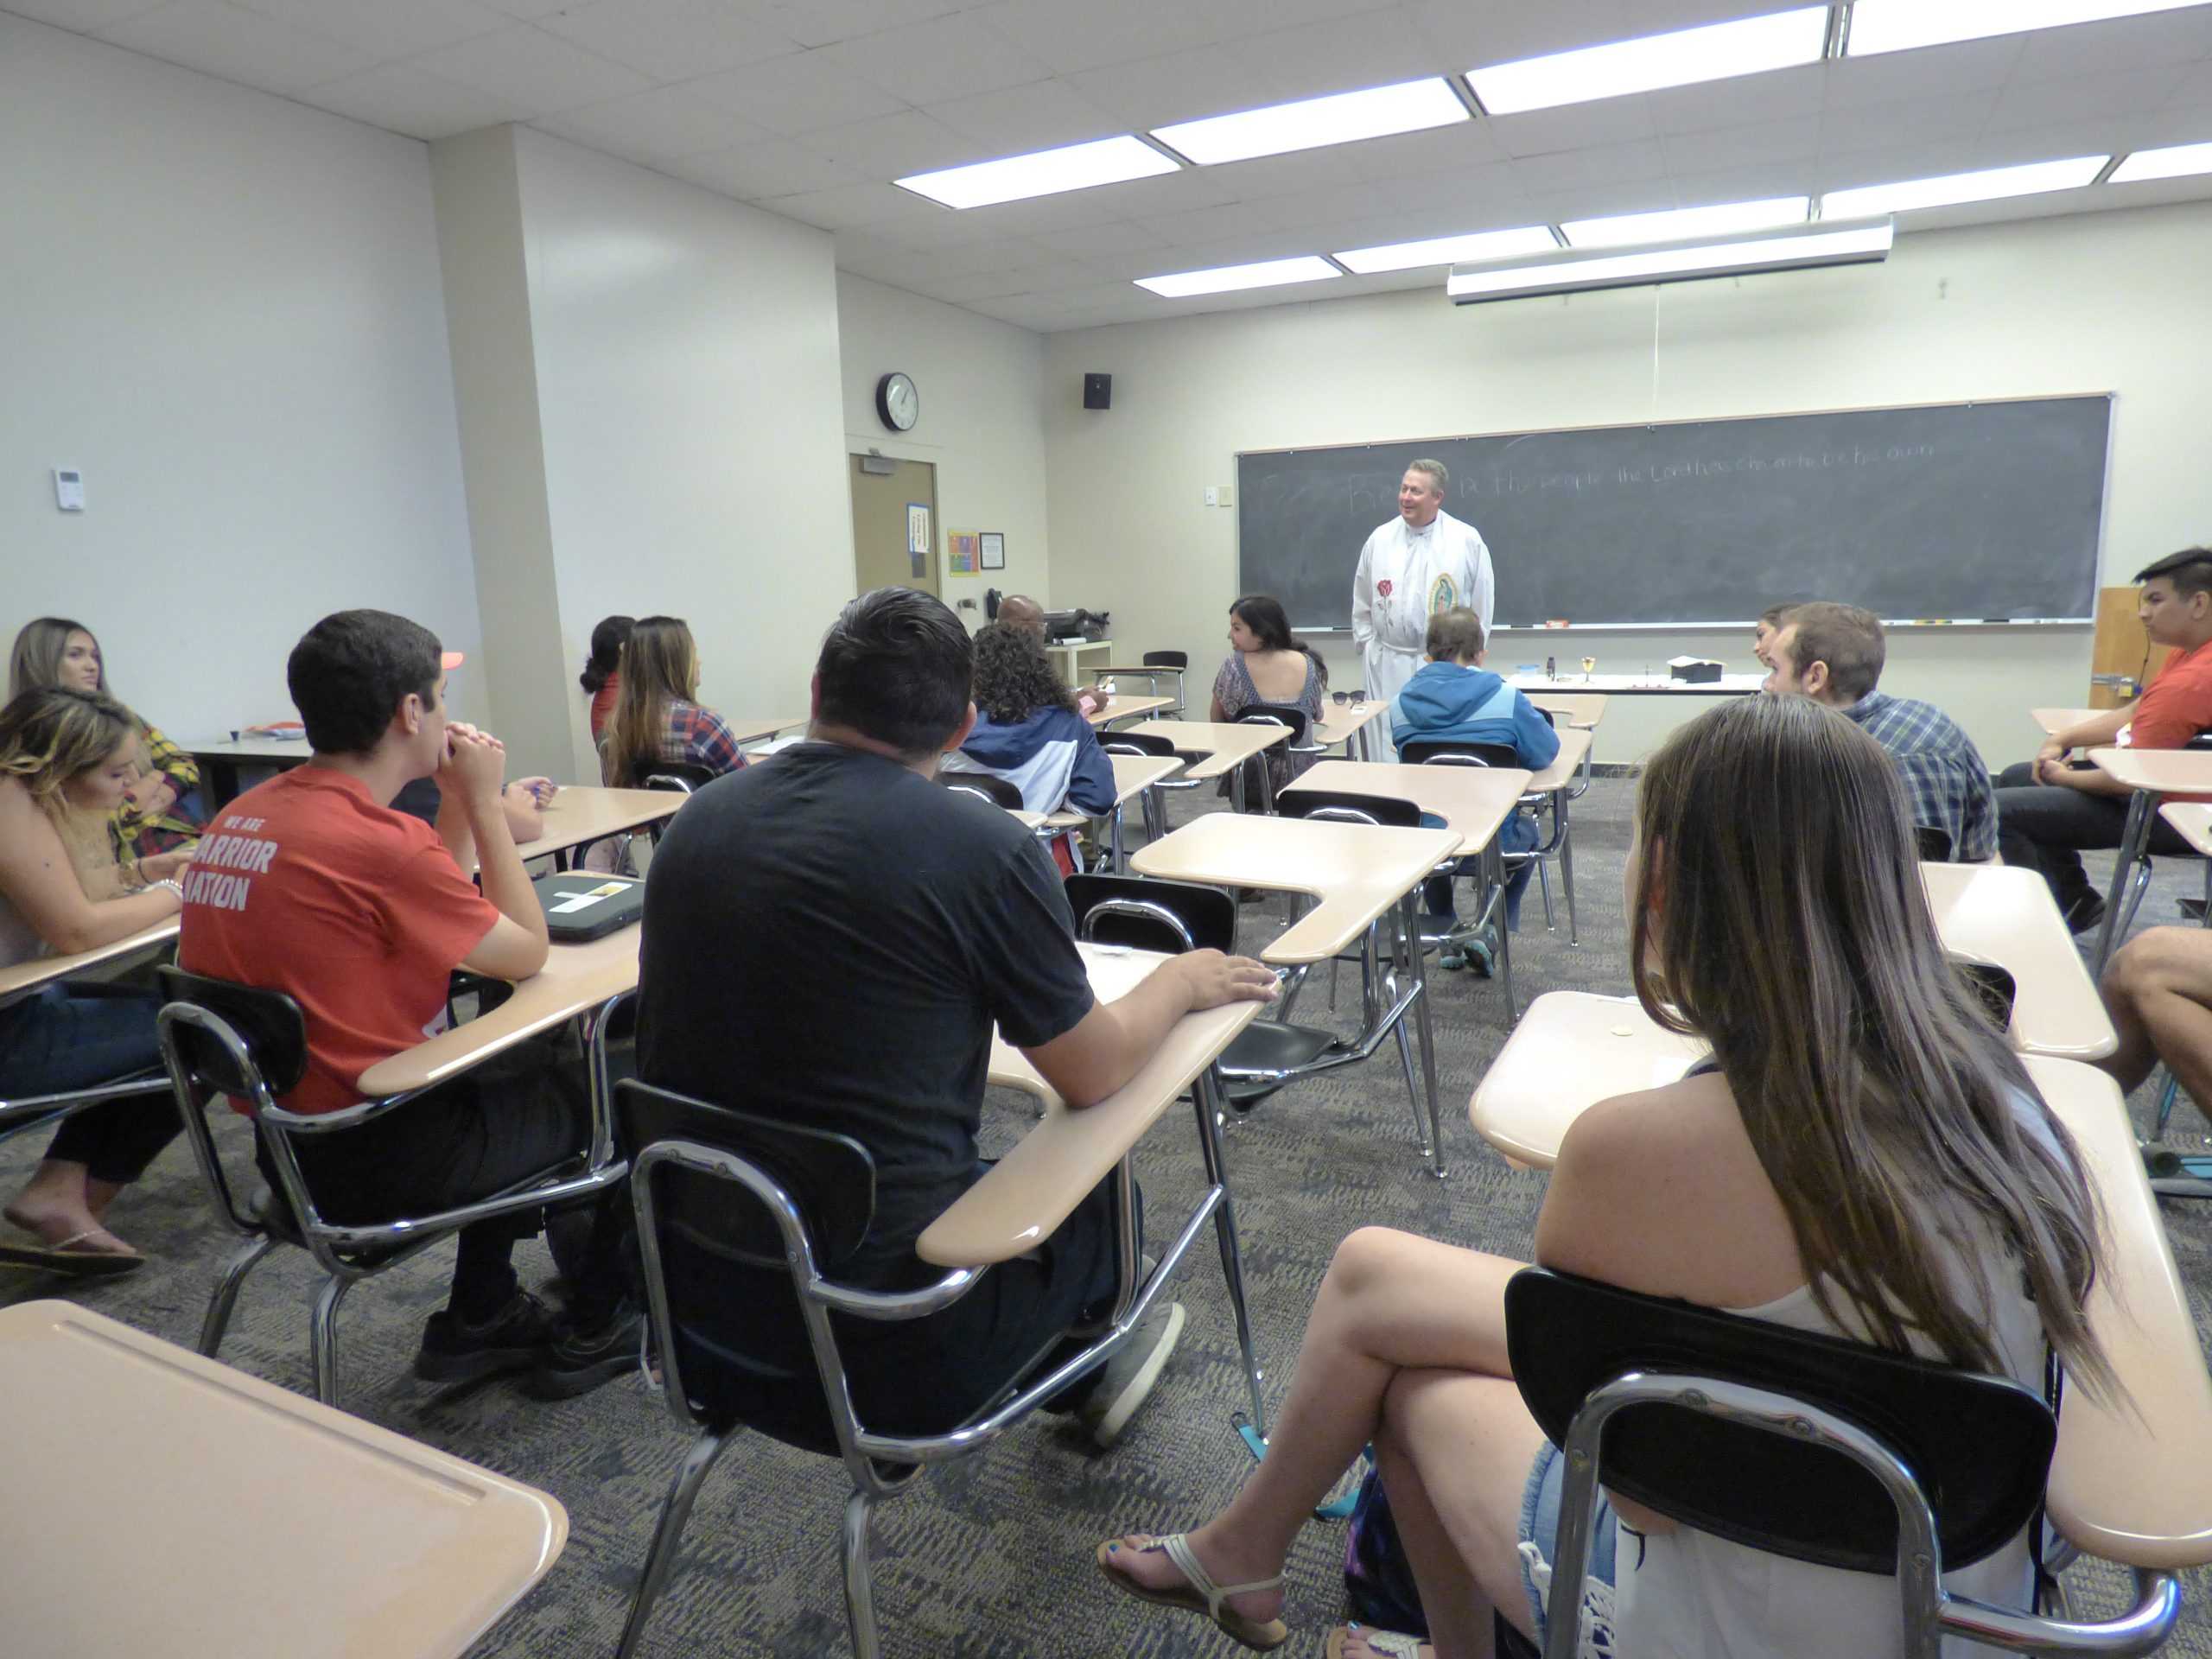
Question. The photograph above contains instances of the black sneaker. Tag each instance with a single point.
(454, 1350)
(580, 1360)
(1126, 1380)
(2087, 911)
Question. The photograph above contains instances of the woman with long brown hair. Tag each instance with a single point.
(67, 758)
(657, 716)
(1864, 1157)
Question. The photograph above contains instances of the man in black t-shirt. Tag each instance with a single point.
(831, 937)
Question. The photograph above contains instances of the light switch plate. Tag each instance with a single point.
(69, 489)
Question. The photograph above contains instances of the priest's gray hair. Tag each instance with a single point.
(1436, 470)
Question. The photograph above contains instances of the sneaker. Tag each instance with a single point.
(581, 1360)
(1453, 955)
(1126, 1381)
(2086, 911)
(454, 1350)
(1482, 954)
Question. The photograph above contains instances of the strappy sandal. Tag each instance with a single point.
(1200, 1594)
(1391, 1645)
(64, 1257)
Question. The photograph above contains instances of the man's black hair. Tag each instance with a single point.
(350, 672)
(896, 666)
(2190, 571)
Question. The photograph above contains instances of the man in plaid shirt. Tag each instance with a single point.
(1834, 654)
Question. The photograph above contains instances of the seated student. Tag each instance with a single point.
(1268, 665)
(1866, 1157)
(2158, 989)
(1020, 611)
(1834, 654)
(312, 885)
(1763, 630)
(1452, 698)
(1027, 732)
(831, 939)
(602, 675)
(522, 803)
(66, 759)
(2050, 811)
(161, 811)
(657, 717)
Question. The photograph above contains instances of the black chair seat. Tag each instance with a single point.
(1166, 659)
(1299, 802)
(1420, 753)
(1275, 714)
(997, 790)
(1147, 743)
(1934, 843)
(682, 775)
(1263, 1045)
(1207, 914)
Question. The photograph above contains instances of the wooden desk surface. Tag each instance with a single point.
(1340, 722)
(1357, 871)
(2192, 822)
(1223, 745)
(2054, 720)
(44, 970)
(1471, 800)
(2163, 771)
(1581, 708)
(752, 731)
(2006, 916)
(234, 1518)
(575, 977)
(1574, 743)
(587, 812)
(1133, 773)
(2125, 1488)
(1128, 706)
(1036, 1186)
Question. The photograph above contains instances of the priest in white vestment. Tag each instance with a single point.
(1422, 560)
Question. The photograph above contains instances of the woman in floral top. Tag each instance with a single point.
(162, 809)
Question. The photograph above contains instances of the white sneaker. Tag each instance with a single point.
(1126, 1380)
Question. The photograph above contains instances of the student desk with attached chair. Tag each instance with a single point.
(1214, 747)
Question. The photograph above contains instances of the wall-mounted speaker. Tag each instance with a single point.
(1098, 392)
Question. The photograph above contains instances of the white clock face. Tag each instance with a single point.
(902, 405)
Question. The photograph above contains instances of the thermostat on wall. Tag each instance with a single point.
(68, 489)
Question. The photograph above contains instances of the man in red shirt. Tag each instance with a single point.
(2052, 810)
(316, 888)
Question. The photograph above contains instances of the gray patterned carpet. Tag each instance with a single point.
(991, 1557)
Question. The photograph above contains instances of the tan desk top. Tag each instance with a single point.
(2007, 916)
(1225, 745)
(44, 970)
(1340, 722)
(587, 812)
(752, 731)
(1036, 1186)
(2123, 1488)
(1583, 709)
(1357, 871)
(1471, 800)
(2054, 720)
(1128, 705)
(2163, 771)
(2192, 822)
(255, 1524)
(1133, 773)
(575, 977)
(1574, 743)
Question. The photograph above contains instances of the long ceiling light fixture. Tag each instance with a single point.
(1339, 119)
(1715, 52)
(1042, 173)
(1798, 248)
(2174, 162)
(1989, 184)
(1449, 250)
(1879, 26)
(1225, 279)
(1685, 224)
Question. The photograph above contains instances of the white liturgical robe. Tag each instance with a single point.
(1404, 575)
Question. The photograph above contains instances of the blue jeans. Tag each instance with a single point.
(1540, 1527)
(70, 1037)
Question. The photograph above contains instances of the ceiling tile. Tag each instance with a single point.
(2195, 86)
(1779, 95)
(1177, 87)
(1481, 192)
(1930, 72)
(945, 57)
(83, 16)
(1339, 56)
(795, 94)
(400, 98)
(1303, 172)
(1023, 310)
(526, 10)
(2118, 91)
(822, 22)
(843, 206)
(2119, 43)
(998, 281)
(1211, 224)
(534, 70)
(388, 29)
(655, 126)
(1576, 126)
(893, 146)
(1470, 144)
(1344, 201)
(1040, 115)
(1075, 35)
(1756, 181)
(1568, 169)
(1890, 126)
(1237, 19)
(1770, 141)
(772, 167)
(1600, 198)
(1085, 241)
(672, 39)
(224, 40)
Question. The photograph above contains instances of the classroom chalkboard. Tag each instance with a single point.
(1982, 511)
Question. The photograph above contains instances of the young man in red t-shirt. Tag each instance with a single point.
(314, 885)
(2050, 811)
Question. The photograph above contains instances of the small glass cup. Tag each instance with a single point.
(1588, 663)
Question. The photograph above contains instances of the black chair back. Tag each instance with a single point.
(1150, 744)
(1166, 659)
(997, 790)
(1273, 714)
(2201, 741)
(743, 1351)
(1422, 751)
(1934, 843)
(1980, 1446)
(681, 776)
(269, 1023)
(1207, 914)
(1299, 802)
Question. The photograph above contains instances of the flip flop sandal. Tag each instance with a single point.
(82, 1264)
(1391, 1645)
(1201, 1594)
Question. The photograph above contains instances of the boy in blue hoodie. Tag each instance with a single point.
(1454, 699)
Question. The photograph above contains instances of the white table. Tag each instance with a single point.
(1641, 685)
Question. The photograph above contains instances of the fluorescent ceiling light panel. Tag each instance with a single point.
(1340, 118)
(1043, 173)
(1683, 58)
(1222, 279)
(1569, 272)
(1450, 249)
(1682, 223)
(2175, 162)
(1991, 184)
(1899, 25)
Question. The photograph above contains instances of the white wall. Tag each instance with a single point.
(982, 422)
(224, 308)
(687, 371)
(2107, 301)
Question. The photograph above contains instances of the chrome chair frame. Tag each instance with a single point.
(1560, 846)
(30, 1111)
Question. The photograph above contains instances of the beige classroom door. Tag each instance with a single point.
(884, 527)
